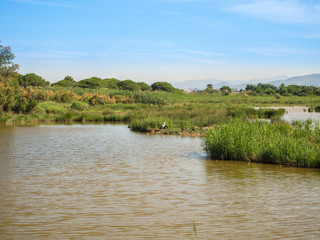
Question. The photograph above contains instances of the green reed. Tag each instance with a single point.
(267, 143)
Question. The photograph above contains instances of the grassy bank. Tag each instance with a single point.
(236, 135)
(145, 112)
(281, 143)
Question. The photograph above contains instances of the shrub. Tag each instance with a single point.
(64, 96)
(80, 106)
(49, 108)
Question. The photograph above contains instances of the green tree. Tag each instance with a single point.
(266, 86)
(129, 85)
(259, 90)
(209, 88)
(31, 79)
(7, 72)
(7, 66)
(68, 81)
(144, 86)
(250, 87)
(294, 89)
(225, 89)
(269, 91)
(7, 94)
(111, 83)
(283, 90)
(163, 86)
(93, 82)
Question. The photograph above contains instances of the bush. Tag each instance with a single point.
(49, 108)
(317, 109)
(64, 96)
(80, 106)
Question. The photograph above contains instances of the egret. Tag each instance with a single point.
(163, 126)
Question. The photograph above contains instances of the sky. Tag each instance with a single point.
(163, 40)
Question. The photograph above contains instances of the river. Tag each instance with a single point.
(106, 182)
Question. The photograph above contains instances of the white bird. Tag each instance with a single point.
(163, 125)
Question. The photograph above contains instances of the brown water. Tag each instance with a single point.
(105, 182)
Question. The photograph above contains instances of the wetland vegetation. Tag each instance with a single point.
(227, 120)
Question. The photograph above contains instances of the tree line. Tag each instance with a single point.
(33, 80)
(269, 89)
(290, 90)
(21, 93)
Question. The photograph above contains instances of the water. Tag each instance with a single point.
(105, 182)
(298, 113)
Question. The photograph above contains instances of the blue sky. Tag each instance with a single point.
(163, 40)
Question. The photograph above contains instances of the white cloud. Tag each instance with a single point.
(290, 11)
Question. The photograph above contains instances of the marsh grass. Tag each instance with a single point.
(267, 143)
(195, 231)
(148, 110)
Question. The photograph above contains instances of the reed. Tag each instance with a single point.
(194, 231)
(267, 143)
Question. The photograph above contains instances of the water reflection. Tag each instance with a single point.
(105, 182)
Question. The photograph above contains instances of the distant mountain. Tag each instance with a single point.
(202, 84)
(307, 80)
(267, 80)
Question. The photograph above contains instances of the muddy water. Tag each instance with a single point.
(105, 182)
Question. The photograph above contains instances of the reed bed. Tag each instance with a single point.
(257, 141)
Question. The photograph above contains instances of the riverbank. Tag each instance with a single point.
(184, 114)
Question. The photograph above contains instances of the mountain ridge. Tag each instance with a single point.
(304, 80)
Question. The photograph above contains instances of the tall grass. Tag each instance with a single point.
(280, 143)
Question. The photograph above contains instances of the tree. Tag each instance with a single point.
(68, 81)
(93, 82)
(31, 79)
(209, 86)
(7, 71)
(111, 83)
(282, 89)
(294, 89)
(7, 67)
(269, 91)
(144, 86)
(129, 85)
(250, 87)
(163, 86)
(267, 85)
(225, 88)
